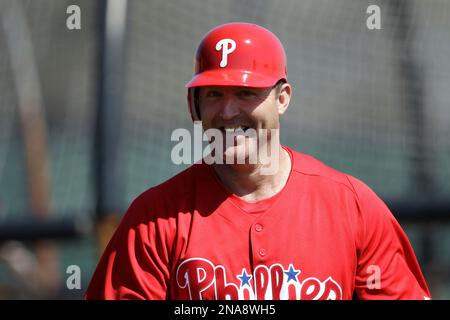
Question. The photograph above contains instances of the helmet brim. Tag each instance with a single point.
(231, 78)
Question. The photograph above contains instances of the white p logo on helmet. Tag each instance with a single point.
(226, 50)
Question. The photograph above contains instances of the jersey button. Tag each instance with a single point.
(262, 252)
(258, 227)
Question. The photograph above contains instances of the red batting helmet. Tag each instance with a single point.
(238, 54)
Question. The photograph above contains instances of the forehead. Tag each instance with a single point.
(231, 88)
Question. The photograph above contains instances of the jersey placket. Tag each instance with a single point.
(258, 240)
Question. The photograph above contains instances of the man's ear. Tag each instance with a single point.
(283, 98)
(189, 104)
(193, 103)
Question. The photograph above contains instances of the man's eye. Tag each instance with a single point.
(213, 94)
(247, 94)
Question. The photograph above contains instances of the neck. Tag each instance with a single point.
(251, 182)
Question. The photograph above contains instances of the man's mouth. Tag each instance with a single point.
(234, 129)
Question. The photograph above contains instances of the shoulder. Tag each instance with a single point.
(334, 181)
(174, 194)
(178, 184)
(310, 167)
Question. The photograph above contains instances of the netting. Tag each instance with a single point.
(65, 63)
(353, 105)
(372, 103)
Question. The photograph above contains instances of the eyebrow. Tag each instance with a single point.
(255, 90)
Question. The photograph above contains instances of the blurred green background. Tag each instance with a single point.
(371, 103)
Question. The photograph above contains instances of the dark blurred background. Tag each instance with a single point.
(86, 117)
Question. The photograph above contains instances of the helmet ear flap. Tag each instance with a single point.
(193, 103)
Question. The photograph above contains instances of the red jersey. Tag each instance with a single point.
(325, 235)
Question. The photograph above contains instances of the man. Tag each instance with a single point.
(235, 229)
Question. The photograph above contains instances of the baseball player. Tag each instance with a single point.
(228, 230)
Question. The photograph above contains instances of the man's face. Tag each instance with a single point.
(234, 110)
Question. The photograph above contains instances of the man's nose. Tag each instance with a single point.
(230, 108)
